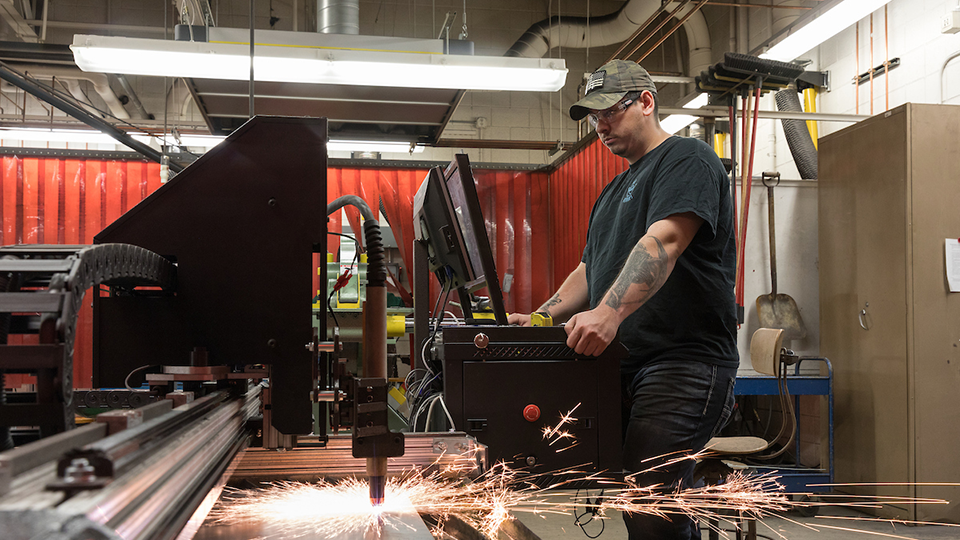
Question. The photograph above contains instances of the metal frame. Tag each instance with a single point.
(58, 276)
(796, 479)
(242, 223)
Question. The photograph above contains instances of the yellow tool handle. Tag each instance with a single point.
(540, 318)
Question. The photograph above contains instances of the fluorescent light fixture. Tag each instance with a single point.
(77, 136)
(383, 147)
(824, 27)
(317, 65)
(57, 136)
(676, 122)
(207, 142)
(193, 141)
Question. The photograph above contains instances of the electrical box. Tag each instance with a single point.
(510, 387)
(950, 23)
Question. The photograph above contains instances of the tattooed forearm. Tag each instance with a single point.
(642, 268)
(545, 308)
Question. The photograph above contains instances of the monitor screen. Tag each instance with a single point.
(470, 237)
(449, 220)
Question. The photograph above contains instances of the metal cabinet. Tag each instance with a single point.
(889, 194)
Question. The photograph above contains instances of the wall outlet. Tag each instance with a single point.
(950, 23)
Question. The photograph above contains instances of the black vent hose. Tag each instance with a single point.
(798, 136)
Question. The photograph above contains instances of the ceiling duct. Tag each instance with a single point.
(338, 17)
(580, 33)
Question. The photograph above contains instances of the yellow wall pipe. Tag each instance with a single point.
(810, 106)
(719, 143)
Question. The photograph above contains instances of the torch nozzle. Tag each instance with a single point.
(378, 485)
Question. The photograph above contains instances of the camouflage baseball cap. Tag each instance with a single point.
(607, 85)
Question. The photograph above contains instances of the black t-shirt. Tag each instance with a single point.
(693, 316)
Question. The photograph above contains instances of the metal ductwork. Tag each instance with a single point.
(338, 17)
(579, 33)
(100, 81)
(798, 136)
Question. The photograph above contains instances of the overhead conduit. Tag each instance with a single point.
(579, 33)
(100, 81)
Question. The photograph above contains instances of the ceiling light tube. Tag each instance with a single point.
(203, 60)
(57, 136)
(676, 122)
(824, 27)
(77, 136)
(383, 147)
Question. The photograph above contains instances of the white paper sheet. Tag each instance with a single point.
(953, 263)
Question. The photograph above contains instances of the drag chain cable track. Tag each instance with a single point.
(116, 265)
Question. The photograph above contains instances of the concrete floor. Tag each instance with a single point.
(789, 526)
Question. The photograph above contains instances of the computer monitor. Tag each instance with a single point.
(449, 221)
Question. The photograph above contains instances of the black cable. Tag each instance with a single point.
(69, 97)
(347, 236)
(336, 323)
(421, 398)
(735, 531)
(442, 313)
(591, 508)
(356, 254)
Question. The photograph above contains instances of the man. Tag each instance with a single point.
(670, 296)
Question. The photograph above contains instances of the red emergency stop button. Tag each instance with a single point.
(531, 413)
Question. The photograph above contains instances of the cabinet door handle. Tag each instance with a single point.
(860, 317)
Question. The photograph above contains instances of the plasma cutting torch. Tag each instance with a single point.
(372, 438)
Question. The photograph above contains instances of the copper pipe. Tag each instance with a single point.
(856, 79)
(657, 29)
(635, 34)
(871, 63)
(674, 29)
(501, 144)
(886, 60)
(728, 4)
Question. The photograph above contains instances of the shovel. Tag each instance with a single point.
(778, 310)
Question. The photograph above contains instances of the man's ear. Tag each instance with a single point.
(647, 102)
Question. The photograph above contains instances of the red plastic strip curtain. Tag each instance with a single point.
(516, 213)
(395, 188)
(68, 201)
(515, 210)
(574, 187)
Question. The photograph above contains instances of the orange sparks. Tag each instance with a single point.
(555, 434)
(336, 510)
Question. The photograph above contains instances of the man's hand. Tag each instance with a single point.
(589, 332)
(522, 319)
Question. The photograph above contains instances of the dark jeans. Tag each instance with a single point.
(671, 406)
